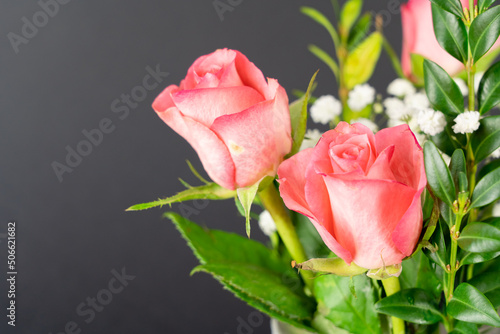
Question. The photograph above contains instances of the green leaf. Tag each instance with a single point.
(480, 238)
(323, 21)
(250, 270)
(487, 138)
(211, 191)
(360, 30)
(438, 174)
(349, 15)
(451, 33)
(448, 141)
(413, 305)
(361, 62)
(470, 258)
(418, 273)
(298, 117)
(396, 63)
(337, 304)
(325, 58)
(439, 252)
(484, 4)
(488, 168)
(457, 166)
(489, 284)
(484, 32)
(489, 89)
(451, 6)
(417, 66)
(441, 89)
(464, 328)
(246, 197)
(470, 305)
(487, 190)
(447, 214)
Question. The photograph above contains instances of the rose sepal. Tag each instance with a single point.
(335, 266)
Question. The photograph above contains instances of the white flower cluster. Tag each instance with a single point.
(266, 223)
(466, 122)
(360, 97)
(413, 108)
(366, 122)
(311, 138)
(325, 109)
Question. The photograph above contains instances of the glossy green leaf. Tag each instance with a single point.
(487, 190)
(246, 197)
(470, 305)
(314, 246)
(418, 273)
(209, 191)
(325, 58)
(484, 32)
(464, 328)
(451, 33)
(361, 62)
(359, 31)
(480, 238)
(250, 270)
(438, 252)
(487, 138)
(349, 15)
(438, 175)
(451, 6)
(470, 258)
(321, 19)
(489, 284)
(441, 89)
(447, 214)
(488, 168)
(448, 141)
(298, 117)
(484, 4)
(413, 305)
(336, 303)
(489, 89)
(457, 165)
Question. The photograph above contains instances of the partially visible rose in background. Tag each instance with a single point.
(419, 38)
(237, 122)
(361, 191)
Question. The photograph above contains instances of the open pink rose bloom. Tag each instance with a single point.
(361, 191)
(237, 122)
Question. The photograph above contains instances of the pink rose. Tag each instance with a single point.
(237, 122)
(419, 38)
(361, 191)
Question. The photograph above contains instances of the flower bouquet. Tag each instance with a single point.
(370, 231)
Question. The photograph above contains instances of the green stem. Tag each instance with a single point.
(391, 286)
(274, 204)
(453, 266)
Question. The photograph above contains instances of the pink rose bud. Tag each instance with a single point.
(361, 191)
(237, 122)
(419, 37)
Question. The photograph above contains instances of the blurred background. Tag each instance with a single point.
(59, 81)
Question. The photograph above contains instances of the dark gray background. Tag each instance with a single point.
(71, 234)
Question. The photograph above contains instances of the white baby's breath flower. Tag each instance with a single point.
(416, 102)
(325, 109)
(401, 87)
(496, 210)
(266, 223)
(366, 122)
(431, 122)
(462, 85)
(466, 122)
(395, 108)
(360, 97)
(477, 80)
(395, 122)
(311, 138)
(495, 154)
